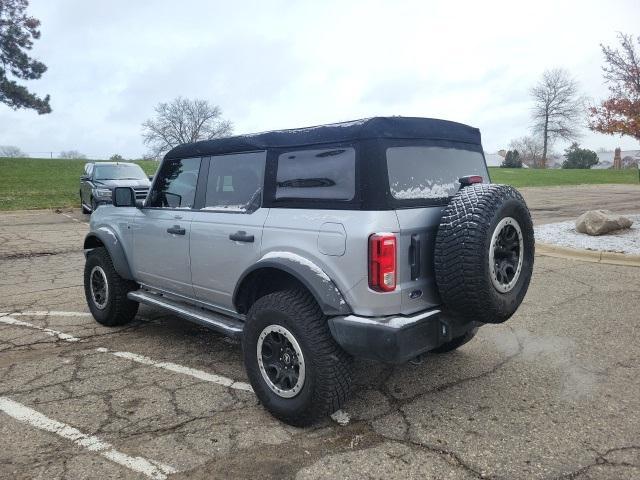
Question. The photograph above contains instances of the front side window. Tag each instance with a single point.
(418, 173)
(119, 172)
(327, 174)
(175, 185)
(235, 182)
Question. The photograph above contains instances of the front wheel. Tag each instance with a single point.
(106, 291)
(295, 367)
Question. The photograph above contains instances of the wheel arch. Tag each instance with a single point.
(104, 237)
(276, 273)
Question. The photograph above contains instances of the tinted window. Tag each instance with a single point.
(235, 182)
(317, 174)
(430, 172)
(175, 186)
(119, 172)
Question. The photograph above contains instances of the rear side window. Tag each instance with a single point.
(175, 185)
(419, 172)
(327, 174)
(235, 182)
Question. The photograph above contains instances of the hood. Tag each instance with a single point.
(122, 183)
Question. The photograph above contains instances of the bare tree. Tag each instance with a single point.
(11, 152)
(72, 154)
(530, 150)
(183, 121)
(557, 109)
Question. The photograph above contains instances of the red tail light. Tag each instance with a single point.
(470, 180)
(382, 262)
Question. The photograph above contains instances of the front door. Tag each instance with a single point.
(226, 234)
(162, 229)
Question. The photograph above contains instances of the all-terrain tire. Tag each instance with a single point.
(118, 309)
(327, 367)
(456, 343)
(462, 251)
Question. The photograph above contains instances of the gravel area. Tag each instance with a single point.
(564, 234)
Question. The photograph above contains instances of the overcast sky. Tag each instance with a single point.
(277, 64)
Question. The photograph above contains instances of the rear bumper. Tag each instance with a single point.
(398, 338)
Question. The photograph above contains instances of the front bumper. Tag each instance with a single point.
(398, 338)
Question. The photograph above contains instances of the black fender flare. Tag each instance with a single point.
(319, 284)
(113, 244)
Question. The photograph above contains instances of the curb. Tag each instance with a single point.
(593, 256)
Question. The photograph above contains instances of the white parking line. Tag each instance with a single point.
(48, 331)
(47, 313)
(24, 414)
(173, 367)
(73, 218)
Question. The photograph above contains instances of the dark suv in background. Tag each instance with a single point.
(100, 178)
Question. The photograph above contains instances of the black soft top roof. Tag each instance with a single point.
(368, 128)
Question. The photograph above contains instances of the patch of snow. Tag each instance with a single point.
(430, 190)
(564, 234)
(302, 261)
(350, 123)
(226, 208)
(341, 417)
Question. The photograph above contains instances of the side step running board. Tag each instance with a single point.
(221, 323)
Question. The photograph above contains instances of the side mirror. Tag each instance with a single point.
(151, 178)
(124, 197)
(84, 177)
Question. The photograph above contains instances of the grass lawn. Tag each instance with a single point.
(27, 183)
(530, 177)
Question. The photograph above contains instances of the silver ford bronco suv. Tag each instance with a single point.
(380, 238)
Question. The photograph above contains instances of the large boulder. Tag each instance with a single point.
(601, 222)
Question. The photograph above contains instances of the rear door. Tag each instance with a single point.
(162, 229)
(422, 179)
(226, 233)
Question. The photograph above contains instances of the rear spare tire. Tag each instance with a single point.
(484, 253)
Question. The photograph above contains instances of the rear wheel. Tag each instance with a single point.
(106, 291)
(295, 367)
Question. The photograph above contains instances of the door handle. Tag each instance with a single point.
(241, 236)
(176, 230)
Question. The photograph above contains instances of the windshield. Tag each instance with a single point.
(119, 172)
(431, 172)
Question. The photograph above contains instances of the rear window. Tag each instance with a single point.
(327, 174)
(430, 172)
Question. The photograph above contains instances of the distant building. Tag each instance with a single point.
(627, 158)
(494, 159)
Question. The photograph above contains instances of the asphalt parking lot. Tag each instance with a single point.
(553, 393)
